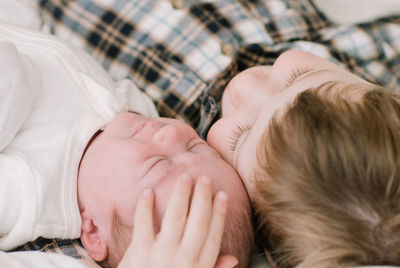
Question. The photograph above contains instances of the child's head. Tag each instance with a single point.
(133, 153)
(329, 193)
(318, 150)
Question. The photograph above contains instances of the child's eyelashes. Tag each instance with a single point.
(296, 72)
(235, 137)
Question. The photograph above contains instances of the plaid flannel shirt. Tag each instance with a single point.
(182, 53)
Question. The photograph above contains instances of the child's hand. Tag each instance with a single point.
(184, 241)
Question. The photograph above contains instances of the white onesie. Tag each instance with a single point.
(53, 98)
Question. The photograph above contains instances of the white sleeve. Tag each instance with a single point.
(18, 191)
(23, 13)
(25, 259)
(18, 201)
(19, 91)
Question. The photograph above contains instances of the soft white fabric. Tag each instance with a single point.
(54, 97)
(23, 13)
(357, 11)
(19, 88)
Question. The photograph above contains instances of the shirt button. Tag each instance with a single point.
(227, 49)
(178, 4)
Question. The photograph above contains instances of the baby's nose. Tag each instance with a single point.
(167, 135)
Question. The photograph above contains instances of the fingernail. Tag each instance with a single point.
(236, 262)
(147, 192)
(205, 180)
(233, 262)
(222, 196)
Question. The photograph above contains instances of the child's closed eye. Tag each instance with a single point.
(295, 73)
(235, 137)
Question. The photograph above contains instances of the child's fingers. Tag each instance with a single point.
(143, 230)
(175, 216)
(226, 261)
(197, 225)
(212, 245)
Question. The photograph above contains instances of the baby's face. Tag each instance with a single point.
(253, 97)
(134, 153)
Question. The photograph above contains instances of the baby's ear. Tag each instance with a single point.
(92, 240)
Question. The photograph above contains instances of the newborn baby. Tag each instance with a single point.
(61, 110)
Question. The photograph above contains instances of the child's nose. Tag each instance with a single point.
(167, 135)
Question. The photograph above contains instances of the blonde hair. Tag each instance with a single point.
(329, 190)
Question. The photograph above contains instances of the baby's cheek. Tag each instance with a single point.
(162, 193)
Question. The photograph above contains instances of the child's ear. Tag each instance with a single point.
(92, 240)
